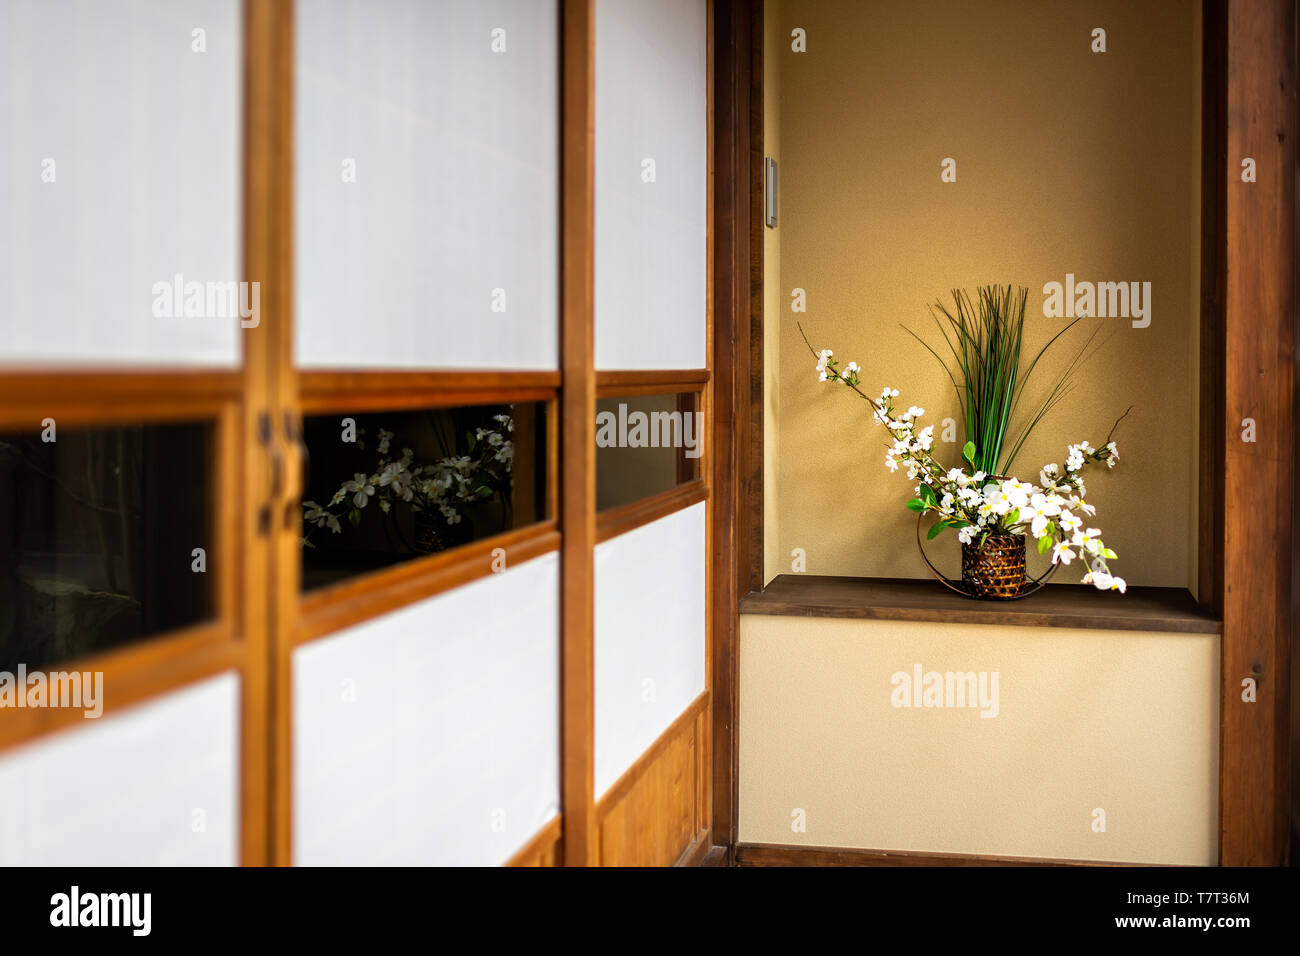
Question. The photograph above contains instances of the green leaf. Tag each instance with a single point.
(1012, 517)
(1110, 554)
(916, 504)
(936, 530)
(928, 495)
(355, 516)
(1044, 544)
(968, 453)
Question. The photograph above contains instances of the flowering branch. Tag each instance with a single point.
(978, 504)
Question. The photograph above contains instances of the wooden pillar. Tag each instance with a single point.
(1258, 386)
(578, 432)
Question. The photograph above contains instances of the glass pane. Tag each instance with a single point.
(98, 534)
(121, 171)
(645, 444)
(387, 487)
(426, 180)
(652, 176)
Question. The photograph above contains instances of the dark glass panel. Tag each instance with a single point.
(645, 444)
(387, 487)
(98, 536)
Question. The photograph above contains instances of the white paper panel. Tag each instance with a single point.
(456, 183)
(650, 638)
(156, 786)
(651, 256)
(142, 139)
(430, 736)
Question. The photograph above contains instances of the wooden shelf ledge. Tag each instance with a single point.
(1056, 605)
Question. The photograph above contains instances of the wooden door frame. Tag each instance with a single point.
(1258, 361)
(1246, 370)
(738, 376)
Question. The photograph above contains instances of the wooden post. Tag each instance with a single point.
(578, 433)
(1258, 365)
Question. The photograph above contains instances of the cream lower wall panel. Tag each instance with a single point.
(155, 786)
(430, 736)
(1122, 721)
(650, 636)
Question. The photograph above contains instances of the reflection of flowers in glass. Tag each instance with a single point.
(360, 488)
(448, 487)
(318, 516)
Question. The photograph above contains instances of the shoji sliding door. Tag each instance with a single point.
(652, 359)
(419, 642)
(130, 678)
(355, 431)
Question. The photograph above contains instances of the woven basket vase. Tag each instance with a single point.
(996, 568)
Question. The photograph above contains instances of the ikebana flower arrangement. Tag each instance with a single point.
(448, 488)
(993, 512)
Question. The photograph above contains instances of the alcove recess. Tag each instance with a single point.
(1067, 161)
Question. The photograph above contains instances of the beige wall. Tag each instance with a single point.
(1067, 161)
(1122, 721)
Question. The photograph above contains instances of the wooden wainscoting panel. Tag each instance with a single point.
(657, 811)
(544, 849)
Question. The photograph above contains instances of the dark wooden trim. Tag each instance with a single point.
(1057, 605)
(1295, 540)
(615, 521)
(705, 403)
(577, 432)
(717, 856)
(359, 599)
(1254, 764)
(697, 852)
(771, 854)
(737, 125)
(1214, 182)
